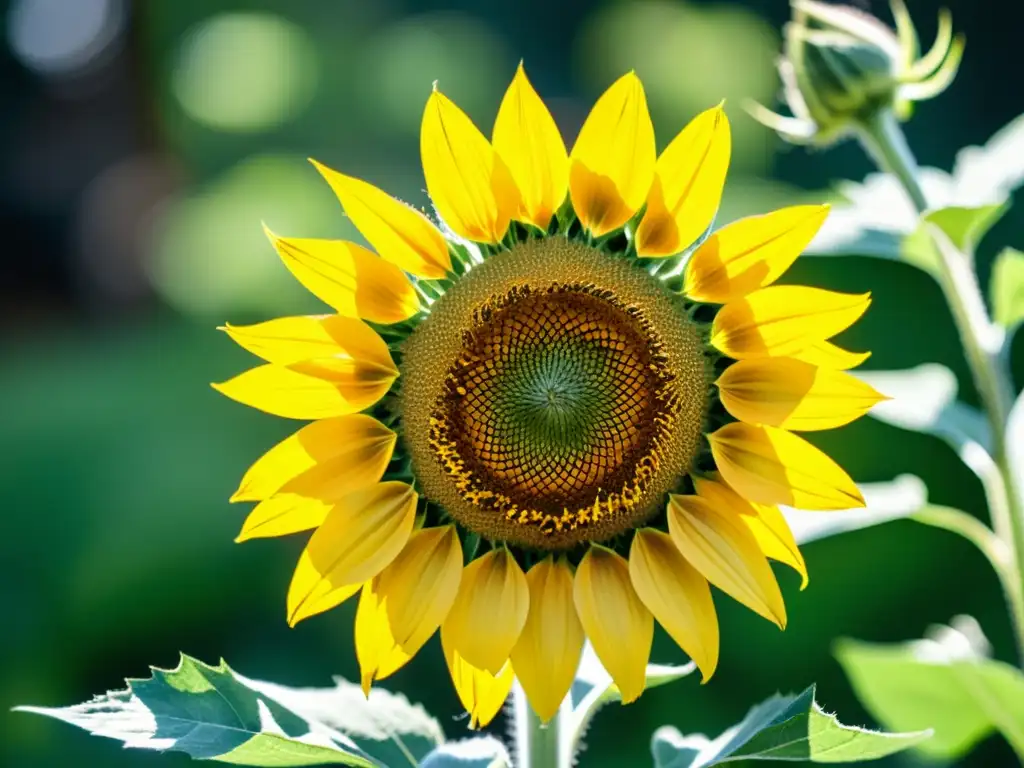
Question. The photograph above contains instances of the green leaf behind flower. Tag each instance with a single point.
(212, 713)
(943, 683)
(1006, 289)
(784, 728)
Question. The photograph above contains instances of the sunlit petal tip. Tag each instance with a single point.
(489, 611)
(471, 186)
(678, 596)
(619, 625)
(326, 459)
(721, 547)
(527, 139)
(481, 693)
(791, 394)
(688, 182)
(611, 166)
(400, 234)
(378, 654)
(784, 320)
(750, 253)
(768, 465)
(547, 654)
(349, 278)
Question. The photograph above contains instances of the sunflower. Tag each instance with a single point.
(559, 412)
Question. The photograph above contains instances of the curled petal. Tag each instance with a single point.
(346, 448)
(527, 139)
(750, 253)
(722, 548)
(612, 163)
(490, 610)
(688, 182)
(360, 536)
(349, 278)
(470, 185)
(401, 234)
(678, 596)
(783, 320)
(772, 466)
(481, 693)
(619, 625)
(787, 393)
(548, 651)
(376, 650)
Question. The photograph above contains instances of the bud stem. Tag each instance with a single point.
(982, 340)
(538, 745)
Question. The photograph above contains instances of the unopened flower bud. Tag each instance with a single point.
(841, 67)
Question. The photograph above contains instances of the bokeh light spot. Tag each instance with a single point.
(689, 58)
(211, 257)
(461, 53)
(245, 72)
(56, 37)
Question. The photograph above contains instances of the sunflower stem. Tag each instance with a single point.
(885, 142)
(538, 744)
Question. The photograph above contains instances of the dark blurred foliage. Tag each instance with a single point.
(140, 146)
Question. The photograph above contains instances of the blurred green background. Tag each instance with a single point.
(141, 145)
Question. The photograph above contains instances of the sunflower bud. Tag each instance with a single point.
(841, 67)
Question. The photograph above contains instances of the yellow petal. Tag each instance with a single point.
(345, 449)
(765, 521)
(772, 466)
(688, 182)
(376, 650)
(469, 183)
(677, 595)
(782, 320)
(349, 278)
(548, 651)
(750, 253)
(400, 234)
(282, 514)
(782, 392)
(827, 355)
(420, 585)
(481, 693)
(719, 545)
(489, 611)
(619, 625)
(334, 389)
(290, 340)
(527, 139)
(612, 163)
(776, 540)
(361, 535)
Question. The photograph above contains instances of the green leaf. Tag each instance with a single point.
(481, 752)
(785, 728)
(966, 226)
(212, 713)
(944, 682)
(923, 399)
(1006, 289)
